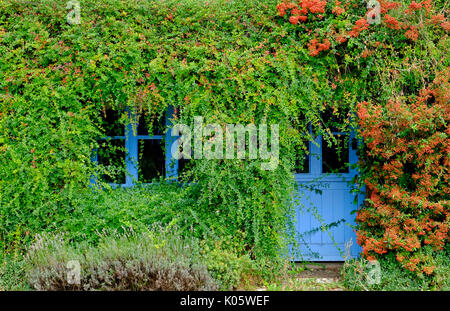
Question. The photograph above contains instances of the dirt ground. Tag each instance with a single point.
(328, 270)
(315, 277)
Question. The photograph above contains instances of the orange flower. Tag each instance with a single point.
(445, 26)
(360, 25)
(428, 269)
(391, 22)
(412, 33)
(414, 6)
(294, 20)
(365, 53)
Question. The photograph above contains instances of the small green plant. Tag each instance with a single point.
(155, 260)
(393, 277)
(12, 272)
(226, 266)
(243, 61)
(122, 209)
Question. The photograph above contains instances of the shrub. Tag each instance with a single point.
(122, 209)
(203, 58)
(228, 268)
(148, 261)
(407, 170)
(394, 277)
(12, 273)
(243, 61)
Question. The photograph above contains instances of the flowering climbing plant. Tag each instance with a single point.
(407, 172)
(242, 61)
(400, 68)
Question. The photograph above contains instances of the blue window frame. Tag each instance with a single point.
(141, 156)
(329, 162)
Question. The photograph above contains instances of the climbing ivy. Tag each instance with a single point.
(272, 62)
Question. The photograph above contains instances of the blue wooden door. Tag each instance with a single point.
(325, 201)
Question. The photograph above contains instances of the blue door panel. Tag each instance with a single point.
(330, 203)
(333, 206)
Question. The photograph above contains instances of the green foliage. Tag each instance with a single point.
(226, 266)
(156, 260)
(12, 273)
(123, 209)
(394, 277)
(228, 61)
(221, 60)
(234, 199)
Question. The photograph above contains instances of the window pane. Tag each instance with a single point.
(111, 124)
(183, 165)
(300, 124)
(335, 158)
(155, 123)
(302, 160)
(151, 159)
(111, 155)
(335, 120)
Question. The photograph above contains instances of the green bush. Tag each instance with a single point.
(201, 57)
(393, 277)
(228, 268)
(238, 61)
(148, 261)
(118, 211)
(12, 273)
(122, 209)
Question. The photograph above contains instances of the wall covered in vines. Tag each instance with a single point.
(271, 62)
(407, 177)
(399, 51)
